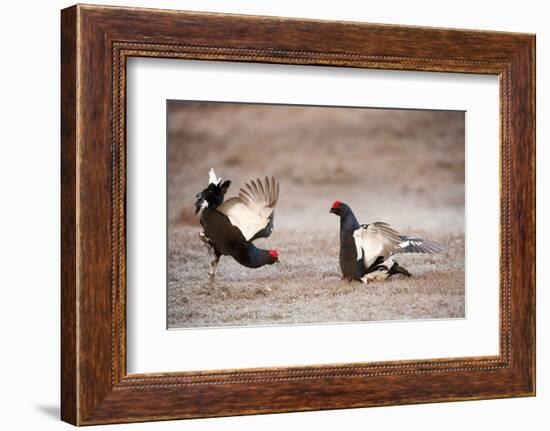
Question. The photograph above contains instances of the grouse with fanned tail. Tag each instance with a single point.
(231, 226)
(366, 250)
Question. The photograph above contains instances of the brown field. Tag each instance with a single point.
(402, 167)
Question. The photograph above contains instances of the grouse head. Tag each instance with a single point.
(274, 256)
(339, 208)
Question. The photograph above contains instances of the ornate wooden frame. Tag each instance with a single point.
(95, 43)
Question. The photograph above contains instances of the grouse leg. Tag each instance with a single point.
(214, 265)
(207, 243)
(212, 252)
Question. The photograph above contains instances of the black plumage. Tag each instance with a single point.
(352, 267)
(228, 240)
(212, 196)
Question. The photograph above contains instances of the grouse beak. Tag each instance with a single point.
(331, 210)
(276, 260)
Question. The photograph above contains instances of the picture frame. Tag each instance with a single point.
(96, 42)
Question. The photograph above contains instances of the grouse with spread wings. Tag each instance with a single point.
(366, 251)
(231, 226)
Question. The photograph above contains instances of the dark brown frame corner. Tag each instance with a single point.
(95, 43)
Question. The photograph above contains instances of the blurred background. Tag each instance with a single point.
(405, 167)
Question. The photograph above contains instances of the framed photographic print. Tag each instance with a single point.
(264, 215)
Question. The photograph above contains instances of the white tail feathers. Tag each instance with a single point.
(213, 178)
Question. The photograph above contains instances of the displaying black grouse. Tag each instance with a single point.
(366, 250)
(231, 226)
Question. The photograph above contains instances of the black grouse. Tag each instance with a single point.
(231, 226)
(366, 251)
